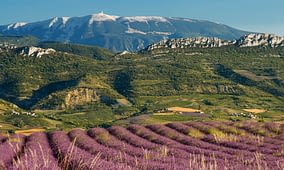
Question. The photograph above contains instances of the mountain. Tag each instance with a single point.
(119, 33)
(249, 40)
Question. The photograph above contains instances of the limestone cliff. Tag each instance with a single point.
(80, 96)
(249, 40)
(205, 42)
(35, 51)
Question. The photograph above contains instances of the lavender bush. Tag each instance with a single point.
(173, 146)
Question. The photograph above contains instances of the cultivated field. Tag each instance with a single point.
(191, 145)
(255, 110)
(28, 131)
(183, 109)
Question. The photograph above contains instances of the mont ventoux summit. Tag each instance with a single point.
(120, 33)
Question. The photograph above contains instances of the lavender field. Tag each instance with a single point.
(192, 145)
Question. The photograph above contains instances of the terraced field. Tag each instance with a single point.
(191, 145)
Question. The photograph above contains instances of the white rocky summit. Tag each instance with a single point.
(36, 51)
(102, 17)
(58, 21)
(16, 25)
(144, 19)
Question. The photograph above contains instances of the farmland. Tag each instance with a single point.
(85, 86)
(188, 145)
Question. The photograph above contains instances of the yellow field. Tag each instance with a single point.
(28, 132)
(123, 102)
(183, 109)
(255, 110)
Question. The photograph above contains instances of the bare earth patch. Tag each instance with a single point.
(123, 102)
(255, 110)
(166, 113)
(183, 109)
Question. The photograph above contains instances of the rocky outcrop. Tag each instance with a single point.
(5, 47)
(69, 99)
(251, 40)
(35, 51)
(80, 96)
(204, 42)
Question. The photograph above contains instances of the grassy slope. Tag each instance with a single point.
(83, 50)
(193, 75)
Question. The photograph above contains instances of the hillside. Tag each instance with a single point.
(119, 33)
(19, 41)
(68, 90)
(83, 50)
(182, 146)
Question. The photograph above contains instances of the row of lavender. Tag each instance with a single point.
(192, 145)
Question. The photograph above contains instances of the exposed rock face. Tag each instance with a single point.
(35, 51)
(7, 47)
(251, 40)
(80, 96)
(205, 42)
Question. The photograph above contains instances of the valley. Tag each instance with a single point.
(87, 86)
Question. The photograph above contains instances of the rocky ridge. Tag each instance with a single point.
(29, 51)
(249, 40)
(5, 47)
(205, 42)
(35, 51)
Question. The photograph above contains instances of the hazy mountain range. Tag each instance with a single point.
(120, 33)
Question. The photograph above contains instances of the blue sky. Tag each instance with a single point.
(251, 15)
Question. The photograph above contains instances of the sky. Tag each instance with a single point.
(250, 15)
